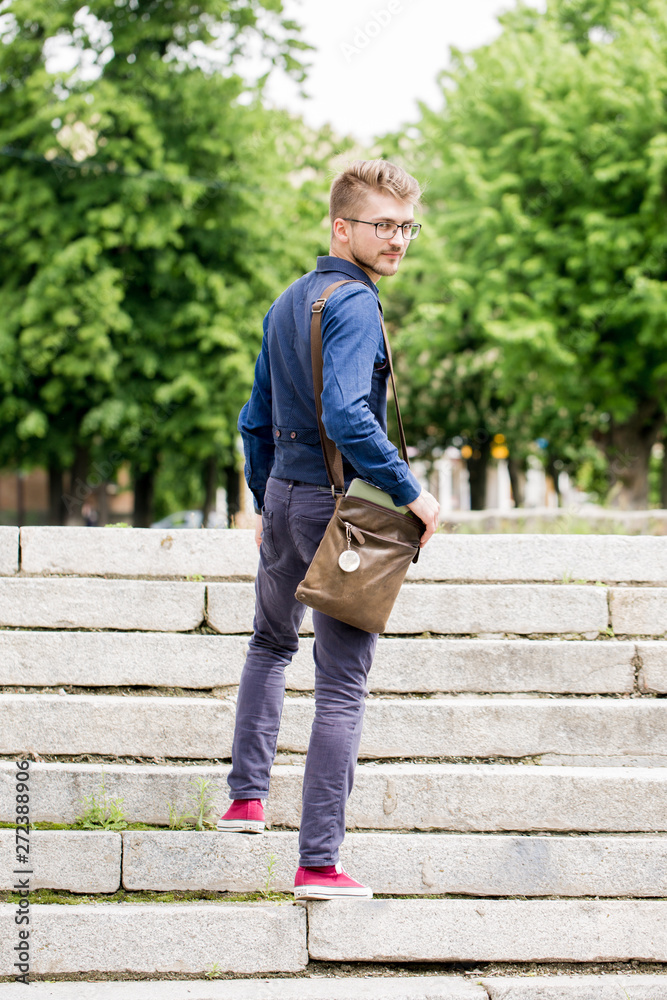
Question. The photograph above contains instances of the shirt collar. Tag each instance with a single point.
(346, 267)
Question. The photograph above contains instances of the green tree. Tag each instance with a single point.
(144, 206)
(546, 175)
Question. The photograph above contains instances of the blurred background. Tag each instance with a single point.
(164, 174)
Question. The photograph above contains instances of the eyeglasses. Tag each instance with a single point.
(387, 230)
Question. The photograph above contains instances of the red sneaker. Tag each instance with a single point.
(243, 816)
(330, 882)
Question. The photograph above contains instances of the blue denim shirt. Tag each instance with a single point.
(278, 424)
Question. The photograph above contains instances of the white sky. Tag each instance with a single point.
(373, 60)
(376, 59)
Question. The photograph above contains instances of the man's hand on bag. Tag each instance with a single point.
(427, 509)
(258, 529)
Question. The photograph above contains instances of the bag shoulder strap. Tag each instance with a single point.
(333, 459)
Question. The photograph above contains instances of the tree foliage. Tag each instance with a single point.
(146, 195)
(539, 302)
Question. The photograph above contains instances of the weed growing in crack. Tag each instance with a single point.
(199, 812)
(268, 892)
(101, 813)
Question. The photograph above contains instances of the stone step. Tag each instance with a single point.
(595, 729)
(153, 605)
(316, 987)
(652, 675)
(162, 606)
(399, 865)
(452, 609)
(456, 797)
(81, 861)
(448, 609)
(151, 659)
(92, 659)
(638, 610)
(380, 987)
(147, 937)
(196, 938)
(411, 864)
(545, 558)
(602, 987)
(464, 930)
(145, 552)
(228, 554)
(9, 551)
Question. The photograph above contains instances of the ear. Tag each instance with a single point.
(340, 230)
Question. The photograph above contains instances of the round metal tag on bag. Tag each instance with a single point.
(349, 561)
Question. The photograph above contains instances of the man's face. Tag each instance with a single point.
(357, 242)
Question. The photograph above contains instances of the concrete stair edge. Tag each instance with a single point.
(640, 986)
(467, 726)
(457, 797)
(421, 864)
(148, 937)
(230, 553)
(432, 987)
(401, 665)
(192, 937)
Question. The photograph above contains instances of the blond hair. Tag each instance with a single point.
(363, 176)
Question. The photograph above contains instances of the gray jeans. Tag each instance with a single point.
(295, 517)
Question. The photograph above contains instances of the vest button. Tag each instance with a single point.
(277, 434)
(293, 434)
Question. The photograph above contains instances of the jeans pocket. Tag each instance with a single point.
(308, 532)
(268, 546)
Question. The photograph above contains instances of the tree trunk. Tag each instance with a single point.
(477, 466)
(20, 498)
(515, 470)
(663, 477)
(143, 482)
(210, 484)
(56, 505)
(80, 490)
(552, 473)
(233, 493)
(628, 448)
(102, 504)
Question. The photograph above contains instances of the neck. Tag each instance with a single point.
(337, 252)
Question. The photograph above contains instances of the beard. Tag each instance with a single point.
(378, 264)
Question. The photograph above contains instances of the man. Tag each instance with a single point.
(371, 208)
